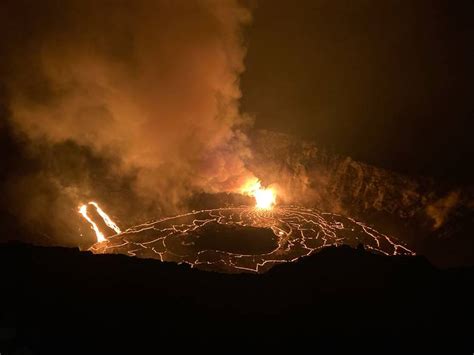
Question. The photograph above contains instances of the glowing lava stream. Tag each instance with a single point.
(107, 220)
(265, 198)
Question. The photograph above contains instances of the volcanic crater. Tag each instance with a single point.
(246, 239)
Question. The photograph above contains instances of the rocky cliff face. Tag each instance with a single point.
(413, 208)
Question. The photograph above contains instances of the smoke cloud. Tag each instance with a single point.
(136, 102)
(439, 210)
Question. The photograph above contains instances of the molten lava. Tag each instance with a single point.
(107, 220)
(265, 198)
(246, 239)
(239, 239)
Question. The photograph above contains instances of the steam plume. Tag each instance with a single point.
(149, 87)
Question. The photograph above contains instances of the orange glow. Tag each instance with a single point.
(265, 198)
(107, 220)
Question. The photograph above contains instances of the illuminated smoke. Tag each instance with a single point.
(439, 210)
(148, 88)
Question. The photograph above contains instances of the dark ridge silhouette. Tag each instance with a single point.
(339, 296)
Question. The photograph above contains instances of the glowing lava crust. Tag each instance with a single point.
(245, 239)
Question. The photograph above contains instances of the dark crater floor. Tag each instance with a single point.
(234, 239)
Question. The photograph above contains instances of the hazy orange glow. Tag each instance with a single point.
(265, 198)
(107, 220)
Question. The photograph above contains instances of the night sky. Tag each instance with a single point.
(386, 82)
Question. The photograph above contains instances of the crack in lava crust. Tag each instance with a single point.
(291, 232)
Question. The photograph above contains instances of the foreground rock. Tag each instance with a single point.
(338, 296)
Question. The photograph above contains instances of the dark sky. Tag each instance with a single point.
(387, 82)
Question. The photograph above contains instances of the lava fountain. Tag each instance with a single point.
(265, 198)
